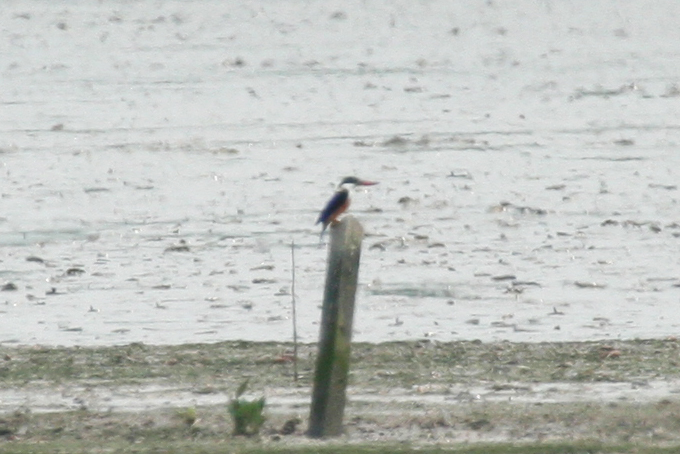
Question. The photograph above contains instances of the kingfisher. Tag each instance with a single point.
(339, 203)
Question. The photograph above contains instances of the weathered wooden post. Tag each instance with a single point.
(332, 362)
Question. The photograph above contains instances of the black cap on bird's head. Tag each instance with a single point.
(356, 182)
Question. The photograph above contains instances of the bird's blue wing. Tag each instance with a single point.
(334, 204)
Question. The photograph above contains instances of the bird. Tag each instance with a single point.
(339, 203)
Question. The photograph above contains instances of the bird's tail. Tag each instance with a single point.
(323, 230)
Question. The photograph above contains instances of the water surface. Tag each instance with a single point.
(158, 160)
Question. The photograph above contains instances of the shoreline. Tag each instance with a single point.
(417, 392)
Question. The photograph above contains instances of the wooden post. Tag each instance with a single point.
(332, 362)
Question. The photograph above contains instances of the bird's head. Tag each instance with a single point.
(356, 182)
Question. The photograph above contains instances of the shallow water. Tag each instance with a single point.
(157, 161)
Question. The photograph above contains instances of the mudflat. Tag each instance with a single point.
(142, 398)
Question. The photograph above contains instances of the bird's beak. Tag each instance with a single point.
(367, 183)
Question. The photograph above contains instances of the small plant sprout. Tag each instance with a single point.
(247, 415)
(188, 416)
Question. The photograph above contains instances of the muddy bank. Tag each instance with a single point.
(425, 392)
